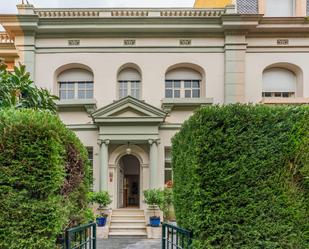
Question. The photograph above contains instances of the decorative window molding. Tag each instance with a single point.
(76, 90)
(129, 83)
(279, 83)
(75, 83)
(183, 83)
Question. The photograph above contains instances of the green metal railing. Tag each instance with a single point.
(81, 237)
(175, 237)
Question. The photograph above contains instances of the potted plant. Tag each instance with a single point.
(154, 199)
(103, 199)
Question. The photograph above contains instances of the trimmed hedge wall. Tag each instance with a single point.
(43, 179)
(241, 177)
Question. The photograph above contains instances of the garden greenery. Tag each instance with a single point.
(102, 198)
(17, 90)
(241, 177)
(44, 179)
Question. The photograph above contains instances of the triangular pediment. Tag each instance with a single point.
(128, 109)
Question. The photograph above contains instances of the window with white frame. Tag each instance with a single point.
(280, 8)
(168, 171)
(183, 83)
(129, 83)
(75, 84)
(279, 83)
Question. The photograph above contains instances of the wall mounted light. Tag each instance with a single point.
(128, 150)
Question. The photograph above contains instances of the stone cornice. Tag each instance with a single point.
(145, 22)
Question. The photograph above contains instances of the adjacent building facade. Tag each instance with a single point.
(128, 78)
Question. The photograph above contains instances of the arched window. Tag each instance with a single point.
(129, 83)
(183, 83)
(75, 83)
(279, 82)
(279, 8)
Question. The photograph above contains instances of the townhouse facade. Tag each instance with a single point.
(128, 78)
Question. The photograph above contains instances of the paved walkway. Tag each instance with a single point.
(129, 243)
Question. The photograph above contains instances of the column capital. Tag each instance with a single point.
(154, 141)
(103, 141)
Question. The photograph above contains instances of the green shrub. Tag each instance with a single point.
(43, 179)
(102, 198)
(241, 177)
(154, 197)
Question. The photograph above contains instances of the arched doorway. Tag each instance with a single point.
(128, 182)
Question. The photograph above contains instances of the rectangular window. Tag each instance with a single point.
(172, 88)
(278, 94)
(168, 172)
(280, 8)
(123, 89)
(135, 86)
(75, 90)
(85, 90)
(67, 90)
(182, 89)
(131, 88)
(192, 88)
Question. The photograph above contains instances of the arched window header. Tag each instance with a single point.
(183, 82)
(75, 74)
(183, 74)
(129, 83)
(75, 83)
(129, 74)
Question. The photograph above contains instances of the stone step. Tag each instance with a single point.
(127, 217)
(127, 226)
(128, 234)
(128, 222)
(128, 212)
(125, 231)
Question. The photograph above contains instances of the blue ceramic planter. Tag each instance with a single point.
(101, 221)
(154, 221)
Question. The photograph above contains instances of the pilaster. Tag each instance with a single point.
(153, 162)
(103, 164)
(234, 73)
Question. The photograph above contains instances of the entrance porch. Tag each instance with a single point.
(129, 146)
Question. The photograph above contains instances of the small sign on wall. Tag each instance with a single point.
(283, 42)
(185, 42)
(74, 42)
(129, 42)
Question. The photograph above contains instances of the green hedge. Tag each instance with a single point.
(43, 179)
(241, 177)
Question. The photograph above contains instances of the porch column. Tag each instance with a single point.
(103, 164)
(153, 163)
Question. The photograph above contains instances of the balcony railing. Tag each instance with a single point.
(93, 13)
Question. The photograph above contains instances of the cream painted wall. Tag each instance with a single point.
(89, 139)
(153, 67)
(75, 117)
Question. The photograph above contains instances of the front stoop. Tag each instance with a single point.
(127, 222)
